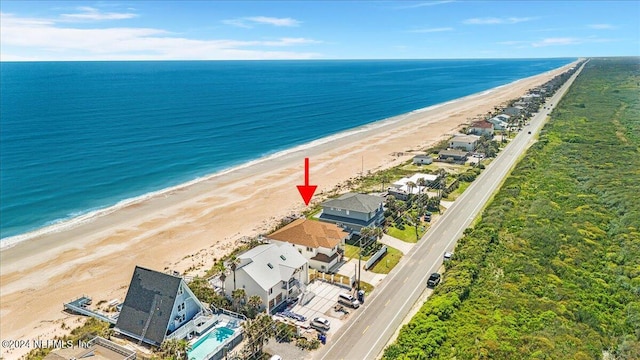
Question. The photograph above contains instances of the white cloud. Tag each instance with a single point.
(426, 3)
(432, 30)
(512, 42)
(556, 42)
(89, 13)
(51, 41)
(601, 26)
(249, 22)
(495, 21)
(274, 21)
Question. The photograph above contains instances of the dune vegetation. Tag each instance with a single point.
(552, 270)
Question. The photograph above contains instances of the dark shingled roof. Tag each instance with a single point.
(356, 202)
(150, 298)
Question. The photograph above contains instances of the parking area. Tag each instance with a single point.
(323, 304)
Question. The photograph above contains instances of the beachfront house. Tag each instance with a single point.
(274, 272)
(402, 188)
(499, 122)
(156, 307)
(464, 142)
(453, 156)
(321, 243)
(481, 128)
(422, 159)
(354, 211)
(516, 110)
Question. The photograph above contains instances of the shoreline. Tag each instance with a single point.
(69, 223)
(190, 227)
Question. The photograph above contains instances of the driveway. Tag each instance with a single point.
(403, 246)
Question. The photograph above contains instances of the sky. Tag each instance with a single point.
(239, 30)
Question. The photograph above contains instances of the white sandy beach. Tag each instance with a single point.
(193, 225)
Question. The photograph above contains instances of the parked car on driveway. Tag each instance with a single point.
(447, 256)
(321, 324)
(434, 280)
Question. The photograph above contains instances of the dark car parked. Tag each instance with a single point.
(434, 280)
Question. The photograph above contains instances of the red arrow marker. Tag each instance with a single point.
(306, 190)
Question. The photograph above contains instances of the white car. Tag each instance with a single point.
(447, 256)
(321, 323)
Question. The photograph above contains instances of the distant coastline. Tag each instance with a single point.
(77, 217)
(69, 223)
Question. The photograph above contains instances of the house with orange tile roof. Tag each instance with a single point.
(322, 244)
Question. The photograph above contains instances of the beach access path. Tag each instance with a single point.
(367, 334)
(191, 227)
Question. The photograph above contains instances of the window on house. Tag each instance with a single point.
(282, 257)
(309, 249)
(270, 291)
(347, 212)
(270, 265)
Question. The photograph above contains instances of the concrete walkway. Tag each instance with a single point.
(349, 269)
(403, 246)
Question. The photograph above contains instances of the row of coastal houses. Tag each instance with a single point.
(279, 271)
(160, 306)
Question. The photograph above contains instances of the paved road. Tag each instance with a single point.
(365, 336)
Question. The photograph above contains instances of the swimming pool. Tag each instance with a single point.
(209, 343)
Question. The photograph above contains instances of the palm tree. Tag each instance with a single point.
(234, 262)
(255, 301)
(175, 349)
(219, 267)
(368, 233)
(384, 178)
(411, 185)
(258, 331)
(422, 183)
(238, 296)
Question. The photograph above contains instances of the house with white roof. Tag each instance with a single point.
(515, 110)
(405, 186)
(274, 272)
(422, 159)
(465, 142)
(321, 243)
(499, 122)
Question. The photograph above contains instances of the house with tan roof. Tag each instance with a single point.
(481, 128)
(322, 244)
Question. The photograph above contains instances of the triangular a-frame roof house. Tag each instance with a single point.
(156, 305)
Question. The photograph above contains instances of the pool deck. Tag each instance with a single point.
(224, 321)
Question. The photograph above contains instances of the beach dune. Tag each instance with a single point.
(189, 227)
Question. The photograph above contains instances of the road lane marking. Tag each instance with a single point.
(405, 280)
(365, 330)
(387, 303)
(484, 198)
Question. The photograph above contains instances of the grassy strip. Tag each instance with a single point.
(388, 261)
(408, 234)
(551, 271)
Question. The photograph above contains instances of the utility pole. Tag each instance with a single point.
(359, 260)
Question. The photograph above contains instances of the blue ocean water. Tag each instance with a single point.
(79, 136)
